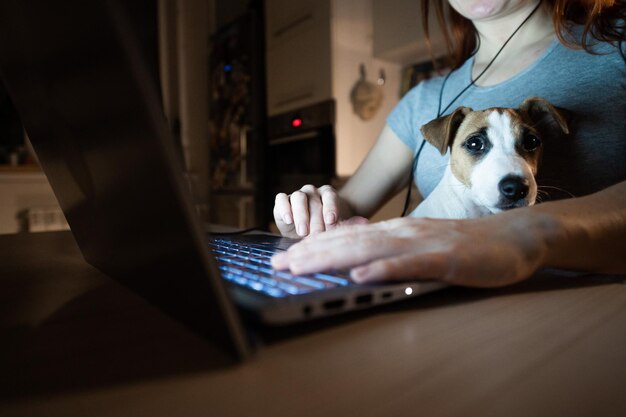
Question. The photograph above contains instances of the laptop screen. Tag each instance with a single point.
(79, 77)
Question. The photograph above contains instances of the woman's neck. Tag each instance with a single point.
(523, 49)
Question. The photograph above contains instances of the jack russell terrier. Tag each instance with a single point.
(494, 156)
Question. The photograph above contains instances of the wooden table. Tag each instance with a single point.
(75, 343)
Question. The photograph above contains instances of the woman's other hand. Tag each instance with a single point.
(311, 210)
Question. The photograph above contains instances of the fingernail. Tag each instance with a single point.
(359, 275)
(330, 218)
(287, 219)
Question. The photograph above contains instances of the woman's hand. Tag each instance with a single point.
(311, 210)
(488, 252)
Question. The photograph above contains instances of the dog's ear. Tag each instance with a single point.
(540, 111)
(441, 131)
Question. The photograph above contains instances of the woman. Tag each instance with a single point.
(522, 48)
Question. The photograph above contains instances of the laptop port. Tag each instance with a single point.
(334, 304)
(363, 299)
(386, 295)
(307, 310)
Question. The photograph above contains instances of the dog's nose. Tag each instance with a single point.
(514, 187)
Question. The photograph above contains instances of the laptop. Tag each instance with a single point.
(79, 78)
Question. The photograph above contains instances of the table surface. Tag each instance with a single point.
(74, 342)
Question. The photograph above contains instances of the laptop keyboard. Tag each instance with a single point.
(249, 265)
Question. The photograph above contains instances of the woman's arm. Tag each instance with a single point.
(586, 233)
(381, 175)
(590, 232)
(383, 172)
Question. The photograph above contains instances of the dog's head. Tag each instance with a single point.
(495, 152)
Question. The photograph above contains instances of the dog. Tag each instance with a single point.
(494, 158)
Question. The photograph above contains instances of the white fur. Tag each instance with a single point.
(449, 200)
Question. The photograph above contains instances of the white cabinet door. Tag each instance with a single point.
(298, 54)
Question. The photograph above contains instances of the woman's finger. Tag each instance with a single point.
(300, 209)
(315, 209)
(283, 216)
(348, 247)
(330, 206)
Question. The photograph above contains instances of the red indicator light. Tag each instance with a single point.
(296, 122)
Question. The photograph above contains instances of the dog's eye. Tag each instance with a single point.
(475, 144)
(530, 143)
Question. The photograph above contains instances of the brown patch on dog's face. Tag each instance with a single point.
(461, 160)
(528, 146)
(527, 138)
(472, 142)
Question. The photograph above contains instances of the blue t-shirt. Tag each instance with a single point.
(592, 87)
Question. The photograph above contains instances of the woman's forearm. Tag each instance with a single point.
(586, 233)
(379, 177)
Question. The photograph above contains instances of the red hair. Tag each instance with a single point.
(601, 20)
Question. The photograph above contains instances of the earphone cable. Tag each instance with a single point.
(467, 87)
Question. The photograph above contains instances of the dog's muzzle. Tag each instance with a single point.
(513, 192)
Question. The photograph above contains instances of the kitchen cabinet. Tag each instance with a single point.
(298, 53)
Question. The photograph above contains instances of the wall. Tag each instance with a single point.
(352, 38)
(399, 32)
